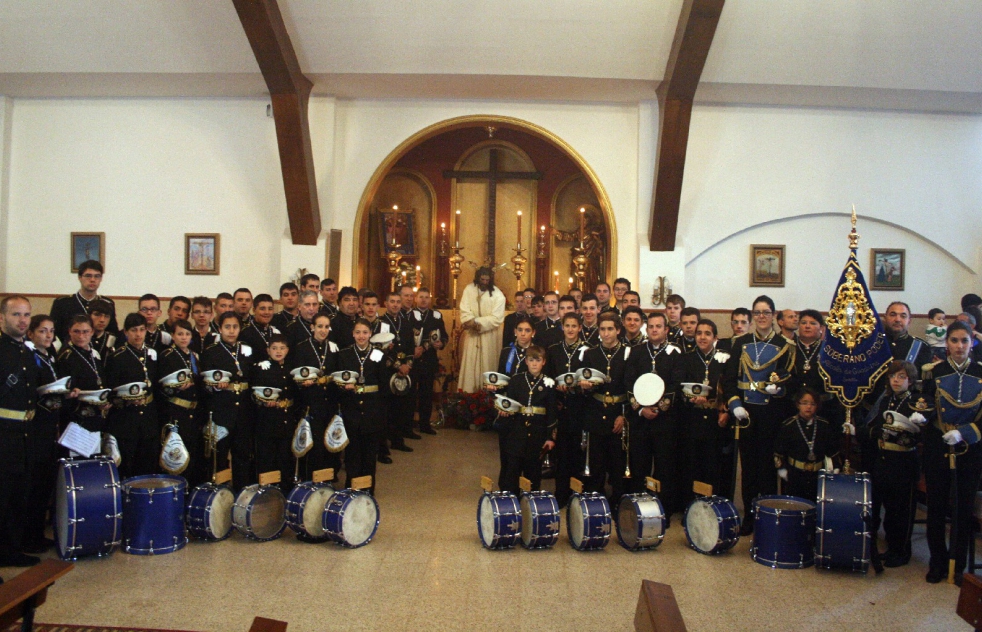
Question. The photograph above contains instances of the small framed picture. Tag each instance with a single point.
(887, 268)
(88, 247)
(766, 265)
(202, 253)
(397, 231)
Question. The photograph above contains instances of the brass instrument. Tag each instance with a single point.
(626, 445)
(586, 467)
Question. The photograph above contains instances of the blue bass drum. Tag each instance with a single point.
(351, 518)
(711, 525)
(588, 521)
(640, 522)
(153, 514)
(209, 515)
(784, 532)
(259, 513)
(842, 537)
(305, 510)
(88, 508)
(499, 520)
(540, 520)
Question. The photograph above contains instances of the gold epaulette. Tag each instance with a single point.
(927, 371)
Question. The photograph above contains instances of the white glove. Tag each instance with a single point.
(918, 418)
(835, 471)
(771, 389)
(783, 473)
(889, 433)
(848, 428)
(741, 413)
(952, 437)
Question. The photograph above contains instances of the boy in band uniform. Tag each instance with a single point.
(274, 421)
(429, 336)
(527, 434)
(562, 358)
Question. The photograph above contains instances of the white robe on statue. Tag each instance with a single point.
(480, 348)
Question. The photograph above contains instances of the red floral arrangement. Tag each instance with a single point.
(467, 410)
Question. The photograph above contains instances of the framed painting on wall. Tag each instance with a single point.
(766, 265)
(397, 231)
(202, 253)
(88, 247)
(888, 268)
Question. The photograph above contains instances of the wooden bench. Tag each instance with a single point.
(970, 601)
(20, 596)
(657, 609)
(259, 624)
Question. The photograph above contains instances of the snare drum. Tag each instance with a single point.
(153, 514)
(588, 521)
(784, 532)
(540, 520)
(711, 525)
(499, 520)
(209, 515)
(88, 508)
(842, 537)
(351, 518)
(640, 522)
(305, 510)
(259, 513)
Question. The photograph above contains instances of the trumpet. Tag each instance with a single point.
(586, 468)
(626, 445)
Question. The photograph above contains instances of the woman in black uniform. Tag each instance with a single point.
(318, 397)
(179, 404)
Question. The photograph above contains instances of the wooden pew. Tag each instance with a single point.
(657, 609)
(20, 596)
(260, 624)
(970, 601)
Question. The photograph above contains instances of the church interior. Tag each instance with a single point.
(563, 143)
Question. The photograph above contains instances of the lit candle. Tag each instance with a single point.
(456, 231)
(395, 207)
(556, 277)
(582, 224)
(418, 280)
(519, 229)
(569, 288)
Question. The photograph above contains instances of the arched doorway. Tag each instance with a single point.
(467, 144)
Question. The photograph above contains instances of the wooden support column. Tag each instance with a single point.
(693, 37)
(289, 90)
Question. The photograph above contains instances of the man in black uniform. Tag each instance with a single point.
(529, 433)
(310, 282)
(633, 319)
(155, 338)
(589, 325)
(739, 325)
(242, 305)
(562, 358)
(203, 335)
(674, 305)
(62, 309)
(18, 398)
(100, 313)
(329, 297)
(223, 303)
(179, 308)
(290, 300)
(430, 335)
(688, 320)
(602, 292)
(521, 309)
(400, 355)
(259, 332)
(621, 287)
(549, 330)
(407, 293)
(302, 327)
(343, 324)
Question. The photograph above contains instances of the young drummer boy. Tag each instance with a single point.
(527, 434)
(802, 443)
(274, 423)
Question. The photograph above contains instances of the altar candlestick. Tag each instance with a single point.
(556, 277)
(582, 224)
(519, 228)
(456, 231)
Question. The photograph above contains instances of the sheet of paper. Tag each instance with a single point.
(78, 439)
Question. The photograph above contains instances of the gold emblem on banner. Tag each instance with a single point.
(851, 318)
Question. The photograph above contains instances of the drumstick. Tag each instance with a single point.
(954, 513)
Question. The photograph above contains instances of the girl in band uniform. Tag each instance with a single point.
(179, 405)
(318, 397)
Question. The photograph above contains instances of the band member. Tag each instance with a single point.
(343, 324)
(589, 327)
(511, 360)
(700, 414)
(521, 309)
(654, 429)
(549, 330)
(274, 421)
(577, 295)
(621, 287)
(258, 333)
(310, 282)
(228, 401)
(674, 304)
(407, 293)
(318, 396)
(100, 314)
(329, 297)
(179, 308)
(955, 385)
(429, 336)
(603, 299)
(64, 308)
(203, 335)
(537, 309)
(179, 404)
(810, 325)
(603, 408)
(399, 357)
(154, 337)
(787, 322)
(739, 325)
(42, 437)
(802, 445)
(896, 466)
(18, 398)
(84, 365)
(634, 323)
(562, 358)
(290, 300)
(688, 320)
(242, 305)
(133, 420)
(223, 303)
(302, 327)
(528, 434)
(361, 403)
(756, 382)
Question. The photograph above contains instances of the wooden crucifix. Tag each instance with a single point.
(493, 176)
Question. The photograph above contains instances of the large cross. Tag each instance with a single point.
(493, 176)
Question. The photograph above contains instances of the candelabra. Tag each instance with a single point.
(455, 330)
(580, 261)
(518, 263)
(540, 251)
(394, 270)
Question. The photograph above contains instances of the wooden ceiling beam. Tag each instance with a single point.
(289, 90)
(693, 37)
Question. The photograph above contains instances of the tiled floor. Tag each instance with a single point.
(426, 570)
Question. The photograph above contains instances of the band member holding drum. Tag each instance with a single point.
(228, 400)
(653, 432)
(272, 393)
(756, 384)
(361, 403)
(802, 445)
(179, 404)
(133, 419)
(603, 408)
(955, 384)
(318, 396)
(526, 435)
(895, 428)
(85, 366)
(699, 412)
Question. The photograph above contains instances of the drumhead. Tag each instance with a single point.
(528, 514)
(268, 513)
(575, 518)
(627, 521)
(486, 524)
(153, 481)
(313, 510)
(360, 519)
(702, 526)
(785, 504)
(220, 512)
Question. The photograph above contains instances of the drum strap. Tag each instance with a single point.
(16, 415)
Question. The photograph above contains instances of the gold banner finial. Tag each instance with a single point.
(853, 235)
